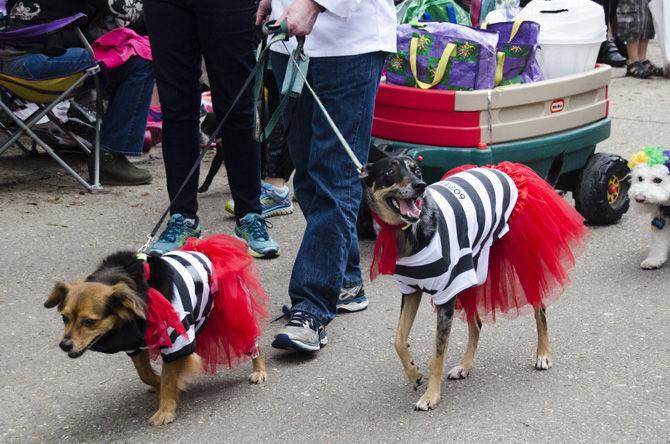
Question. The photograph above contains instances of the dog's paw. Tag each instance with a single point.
(458, 372)
(162, 417)
(543, 363)
(258, 377)
(651, 264)
(415, 377)
(427, 402)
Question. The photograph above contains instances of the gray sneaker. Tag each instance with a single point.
(303, 333)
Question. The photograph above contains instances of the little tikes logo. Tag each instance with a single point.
(557, 106)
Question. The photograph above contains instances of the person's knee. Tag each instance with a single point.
(140, 68)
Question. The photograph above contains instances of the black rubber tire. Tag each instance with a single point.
(592, 187)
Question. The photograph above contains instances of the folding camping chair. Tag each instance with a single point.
(46, 94)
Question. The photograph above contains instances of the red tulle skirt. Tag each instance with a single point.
(528, 266)
(240, 310)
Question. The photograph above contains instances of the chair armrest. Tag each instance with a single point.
(32, 31)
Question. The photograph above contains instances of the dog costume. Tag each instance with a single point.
(654, 155)
(504, 241)
(217, 307)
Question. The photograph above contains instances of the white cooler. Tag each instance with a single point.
(571, 32)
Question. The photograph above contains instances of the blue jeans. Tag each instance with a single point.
(129, 86)
(326, 181)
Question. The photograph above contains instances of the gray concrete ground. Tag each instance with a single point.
(609, 332)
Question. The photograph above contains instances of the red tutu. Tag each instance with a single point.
(240, 309)
(529, 266)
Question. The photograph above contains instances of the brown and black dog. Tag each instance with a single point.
(397, 194)
(108, 313)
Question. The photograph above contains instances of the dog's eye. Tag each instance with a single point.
(417, 171)
(390, 172)
(65, 319)
(658, 180)
(639, 178)
(88, 322)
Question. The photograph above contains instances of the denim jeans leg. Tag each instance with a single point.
(296, 119)
(329, 181)
(125, 121)
(41, 66)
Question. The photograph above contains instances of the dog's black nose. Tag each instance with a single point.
(66, 345)
(419, 187)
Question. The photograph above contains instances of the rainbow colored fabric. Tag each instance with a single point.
(650, 155)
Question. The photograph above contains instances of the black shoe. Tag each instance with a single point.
(609, 53)
(652, 69)
(116, 169)
(637, 70)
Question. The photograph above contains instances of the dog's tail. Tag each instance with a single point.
(555, 169)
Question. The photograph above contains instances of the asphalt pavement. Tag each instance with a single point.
(609, 332)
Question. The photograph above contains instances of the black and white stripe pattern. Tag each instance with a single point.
(192, 298)
(474, 207)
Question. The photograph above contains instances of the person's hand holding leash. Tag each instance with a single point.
(264, 9)
(300, 16)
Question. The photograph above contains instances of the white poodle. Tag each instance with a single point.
(650, 193)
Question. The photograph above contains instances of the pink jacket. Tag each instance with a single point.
(117, 46)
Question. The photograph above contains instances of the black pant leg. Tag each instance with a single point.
(228, 39)
(173, 32)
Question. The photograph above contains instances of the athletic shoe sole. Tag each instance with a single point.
(284, 342)
(258, 254)
(353, 306)
(281, 211)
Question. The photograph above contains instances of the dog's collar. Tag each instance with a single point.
(660, 221)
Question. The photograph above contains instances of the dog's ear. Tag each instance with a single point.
(367, 178)
(125, 303)
(57, 295)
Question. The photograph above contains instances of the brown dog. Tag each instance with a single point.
(116, 309)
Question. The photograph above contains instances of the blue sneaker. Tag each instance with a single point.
(178, 229)
(252, 229)
(274, 202)
(352, 299)
(303, 333)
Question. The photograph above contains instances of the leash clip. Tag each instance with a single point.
(144, 248)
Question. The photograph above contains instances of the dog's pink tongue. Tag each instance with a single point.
(408, 208)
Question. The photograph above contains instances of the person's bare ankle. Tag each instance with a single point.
(276, 182)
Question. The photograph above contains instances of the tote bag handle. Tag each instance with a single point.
(441, 65)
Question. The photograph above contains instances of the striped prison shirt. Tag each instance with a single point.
(473, 209)
(192, 298)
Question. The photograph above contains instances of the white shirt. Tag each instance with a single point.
(347, 27)
(474, 207)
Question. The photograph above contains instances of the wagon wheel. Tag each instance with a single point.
(601, 189)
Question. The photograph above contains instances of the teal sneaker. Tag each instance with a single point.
(176, 232)
(252, 229)
(274, 201)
